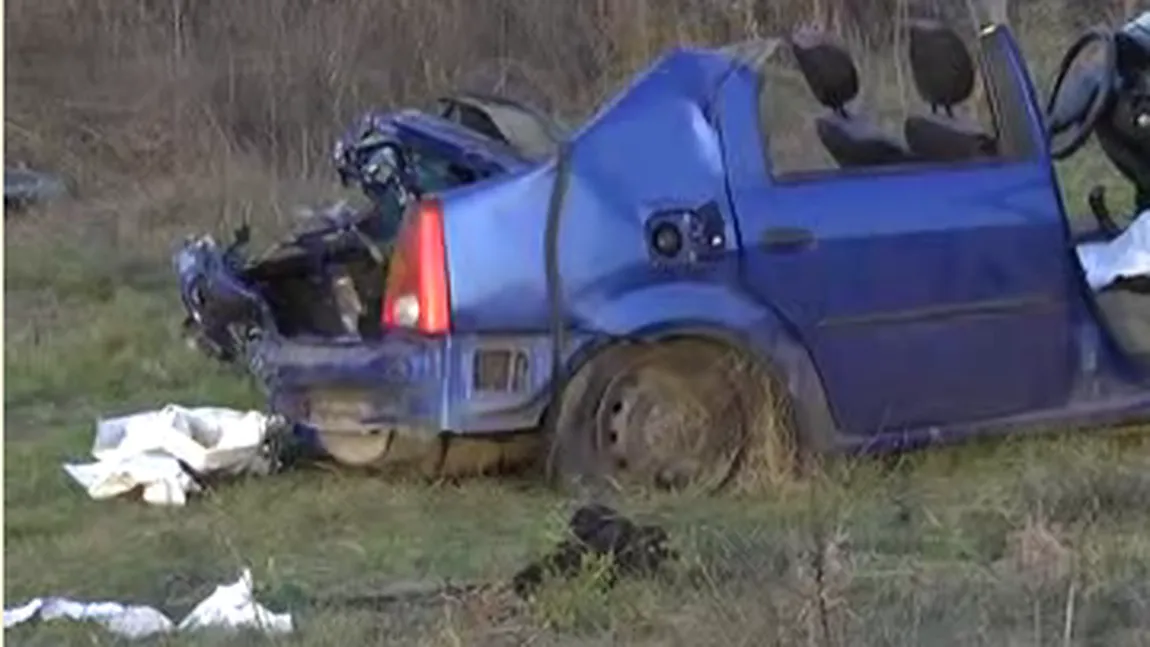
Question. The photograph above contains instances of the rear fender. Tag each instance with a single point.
(717, 312)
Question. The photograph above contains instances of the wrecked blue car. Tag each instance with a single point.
(656, 297)
(325, 278)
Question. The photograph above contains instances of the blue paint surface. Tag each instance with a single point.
(932, 302)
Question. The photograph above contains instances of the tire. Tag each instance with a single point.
(687, 415)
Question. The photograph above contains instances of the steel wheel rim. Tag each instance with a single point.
(652, 430)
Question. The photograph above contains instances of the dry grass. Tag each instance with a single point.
(175, 116)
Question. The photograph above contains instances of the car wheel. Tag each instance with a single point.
(686, 415)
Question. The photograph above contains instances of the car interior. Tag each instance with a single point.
(944, 77)
(1124, 305)
(529, 131)
(852, 139)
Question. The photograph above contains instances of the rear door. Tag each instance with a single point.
(926, 295)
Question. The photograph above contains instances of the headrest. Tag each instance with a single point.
(942, 68)
(827, 67)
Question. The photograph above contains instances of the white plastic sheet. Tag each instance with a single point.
(1126, 256)
(127, 621)
(144, 451)
(230, 606)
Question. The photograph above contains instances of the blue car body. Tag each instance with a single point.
(900, 305)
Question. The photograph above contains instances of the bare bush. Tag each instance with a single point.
(110, 91)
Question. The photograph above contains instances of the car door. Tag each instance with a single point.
(926, 295)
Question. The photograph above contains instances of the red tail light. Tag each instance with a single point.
(416, 293)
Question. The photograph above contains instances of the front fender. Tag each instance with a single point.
(723, 313)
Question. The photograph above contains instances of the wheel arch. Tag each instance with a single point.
(772, 350)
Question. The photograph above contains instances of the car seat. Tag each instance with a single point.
(944, 76)
(852, 140)
(532, 133)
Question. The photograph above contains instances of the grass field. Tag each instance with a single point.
(1023, 542)
(989, 544)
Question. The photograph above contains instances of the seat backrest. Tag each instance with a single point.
(943, 73)
(852, 140)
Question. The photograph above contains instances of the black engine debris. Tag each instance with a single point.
(633, 550)
(599, 531)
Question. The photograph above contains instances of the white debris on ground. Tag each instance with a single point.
(127, 621)
(230, 606)
(1126, 256)
(144, 451)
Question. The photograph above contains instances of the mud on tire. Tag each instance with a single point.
(686, 415)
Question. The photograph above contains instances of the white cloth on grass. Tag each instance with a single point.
(230, 606)
(1126, 256)
(127, 621)
(144, 450)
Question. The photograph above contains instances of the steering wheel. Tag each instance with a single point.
(1089, 93)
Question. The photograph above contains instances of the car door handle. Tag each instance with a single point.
(787, 239)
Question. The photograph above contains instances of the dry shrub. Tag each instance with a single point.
(820, 582)
(773, 456)
(109, 92)
(1037, 555)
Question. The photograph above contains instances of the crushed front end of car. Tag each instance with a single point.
(323, 280)
(307, 319)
